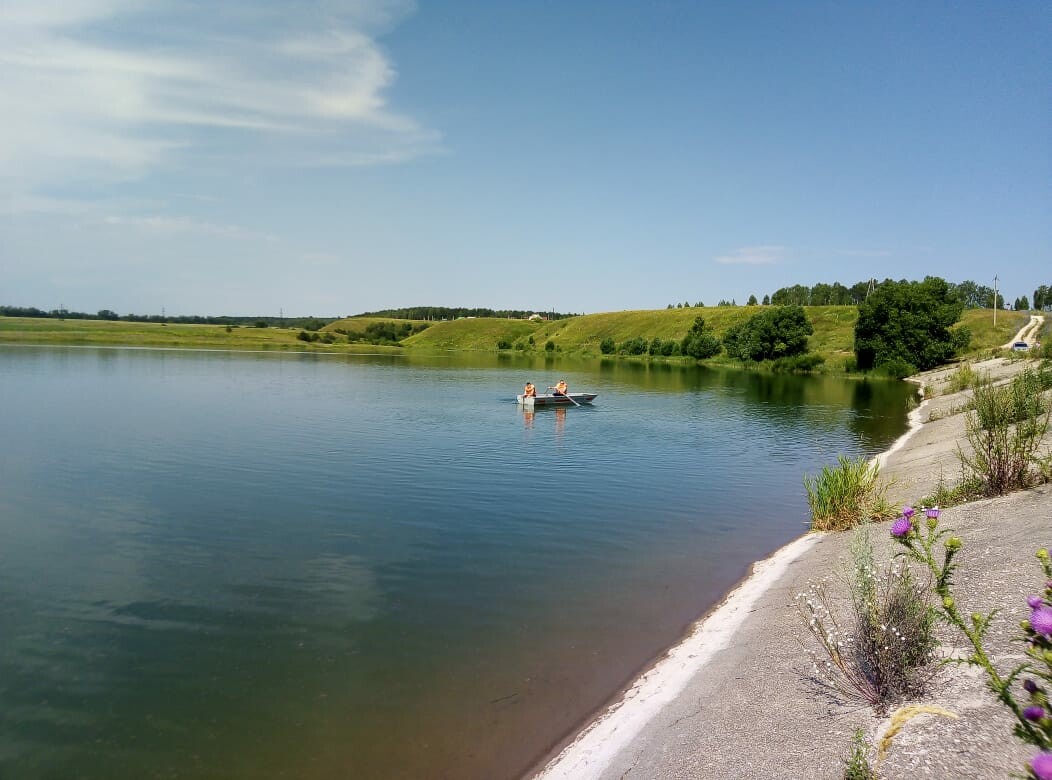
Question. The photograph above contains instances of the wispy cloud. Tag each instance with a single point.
(163, 225)
(753, 255)
(108, 90)
(864, 252)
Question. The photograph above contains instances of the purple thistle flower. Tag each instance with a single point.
(1034, 713)
(1034, 601)
(1030, 686)
(1041, 620)
(908, 512)
(932, 513)
(1041, 765)
(901, 527)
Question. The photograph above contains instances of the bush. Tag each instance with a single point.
(1004, 433)
(261, 323)
(845, 495)
(303, 336)
(503, 344)
(607, 346)
(896, 368)
(780, 331)
(636, 346)
(549, 346)
(798, 363)
(700, 343)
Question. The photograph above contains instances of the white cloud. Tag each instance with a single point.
(97, 91)
(753, 255)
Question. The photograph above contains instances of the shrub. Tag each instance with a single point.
(607, 346)
(896, 368)
(798, 363)
(780, 331)
(303, 336)
(1004, 434)
(700, 343)
(636, 346)
(655, 346)
(503, 344)
(886, 654)
(845, 495)
(261, 323)
(549, 346)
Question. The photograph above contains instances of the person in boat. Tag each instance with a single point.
(529, 391)
(561, 388)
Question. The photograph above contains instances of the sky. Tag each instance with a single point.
(330, 157)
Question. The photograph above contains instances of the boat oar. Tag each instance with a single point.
(568, 398)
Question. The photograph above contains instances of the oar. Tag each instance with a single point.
(567, 395)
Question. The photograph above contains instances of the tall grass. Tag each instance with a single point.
(1005, 432)
(961, 379)
(845, 495)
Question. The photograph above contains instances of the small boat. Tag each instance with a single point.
(553, 399)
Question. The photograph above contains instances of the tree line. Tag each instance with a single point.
(310, 323)
(453, 313)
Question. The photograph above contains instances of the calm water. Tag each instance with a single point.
(261, 566)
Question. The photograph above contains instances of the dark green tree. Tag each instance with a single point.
(700, 343)
(607, 346)
(909, 323)
(767, 300)
(780, 331)
(752, 301)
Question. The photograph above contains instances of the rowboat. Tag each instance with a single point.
(552, 399)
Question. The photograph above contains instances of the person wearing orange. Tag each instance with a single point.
(529, 391)
(561, 388)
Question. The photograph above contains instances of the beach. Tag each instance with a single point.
(735, 697)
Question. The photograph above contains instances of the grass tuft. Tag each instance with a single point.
(846, 495)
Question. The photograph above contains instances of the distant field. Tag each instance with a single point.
(29, 330)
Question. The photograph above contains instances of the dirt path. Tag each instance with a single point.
(1028, 332)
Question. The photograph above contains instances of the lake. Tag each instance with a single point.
(239, 565)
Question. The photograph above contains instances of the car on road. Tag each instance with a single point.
(1020, 346)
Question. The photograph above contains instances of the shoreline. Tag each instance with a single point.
(593, 748)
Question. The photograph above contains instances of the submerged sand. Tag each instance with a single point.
(735, 698)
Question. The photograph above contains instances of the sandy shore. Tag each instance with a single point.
(734, 698)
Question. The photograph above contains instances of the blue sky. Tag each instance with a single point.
(329, 157)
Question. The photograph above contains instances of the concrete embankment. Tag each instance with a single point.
(735, 699)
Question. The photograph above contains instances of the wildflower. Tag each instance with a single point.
(1041, 765)
(953, 543)
(908, 512)
(1034, 713)
(901, 527)
(932, 513)
(1041, 620)
(1030, 686)
(1034, 601)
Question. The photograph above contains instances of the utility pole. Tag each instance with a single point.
(995, 300)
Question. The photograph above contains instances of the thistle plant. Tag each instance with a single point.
(921, 543)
